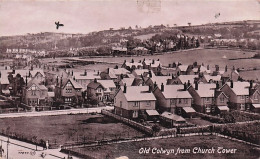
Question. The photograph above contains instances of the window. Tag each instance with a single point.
(68, 90)
(172, 101)
(121, 103)
(99, 90)
(207, 100)
(186, 101)
(255, 97)
(208, 109)
(33, 93)
(148, 103)
(69, 84)
(179, 101)
(242, 97)
(136, 104)
(222, 99)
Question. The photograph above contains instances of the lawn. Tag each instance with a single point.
(198, 121)
(131, 149)
(66, 129)
(210, 57)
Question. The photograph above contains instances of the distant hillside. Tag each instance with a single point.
(60, 41)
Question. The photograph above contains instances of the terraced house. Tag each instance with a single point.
(174, 99)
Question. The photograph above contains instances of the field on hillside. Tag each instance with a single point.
(134, 150)
(210, 57)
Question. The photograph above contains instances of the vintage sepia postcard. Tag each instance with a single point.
(129, 79)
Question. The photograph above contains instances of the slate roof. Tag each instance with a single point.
(138, 93)
(175, 91)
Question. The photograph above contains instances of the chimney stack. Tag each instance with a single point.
(188, 83)
(231, 84)
(162, 87)
(154, 85)
(150, 89)
(185, 86)
(150, 73)
(85, 73)
(251, 84)
(153, 61)
(95, 80)
(226, 68)
(207, 67)
(196, 85)
(71, 72)
(124, 91)
(217, 85)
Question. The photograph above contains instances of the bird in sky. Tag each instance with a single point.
(217, 15)
(58, 25)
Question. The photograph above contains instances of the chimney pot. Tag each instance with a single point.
(124, 91)
(196, 86)
(162, 87)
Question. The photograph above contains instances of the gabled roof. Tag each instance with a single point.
(213, 78)
(186, 78)
(74, 84)
(136, 64)
(154, 63)
(91, 75)
(35, 71)
(160, 79)
(118, 71)
(128, 81)
(205, 89)
(175, 91)
(138, 93)
(107, 83)
(183, 68)
(94, 85)
(140, 72)
(41, 87)
(239, 88)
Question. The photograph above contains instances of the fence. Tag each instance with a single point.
(139, 126)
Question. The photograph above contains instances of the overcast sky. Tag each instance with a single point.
(78, 16)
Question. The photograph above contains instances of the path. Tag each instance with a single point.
(56, 112)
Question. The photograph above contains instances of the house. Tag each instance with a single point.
(86, 77)
(206, 97)
(140, 51)
(238, 94)
(127, 81)
(142, 73)
(68, 91)
(119, 50)
(95, 92)
(109, 90)
(182, 69)
(254, 95)
(115, 74)
(211, 79)
(241, 95)
(154, 65)
(186, 79)
(173, 98)
(151, 81)
(131, 102)
(130, 66)
(35, 95)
